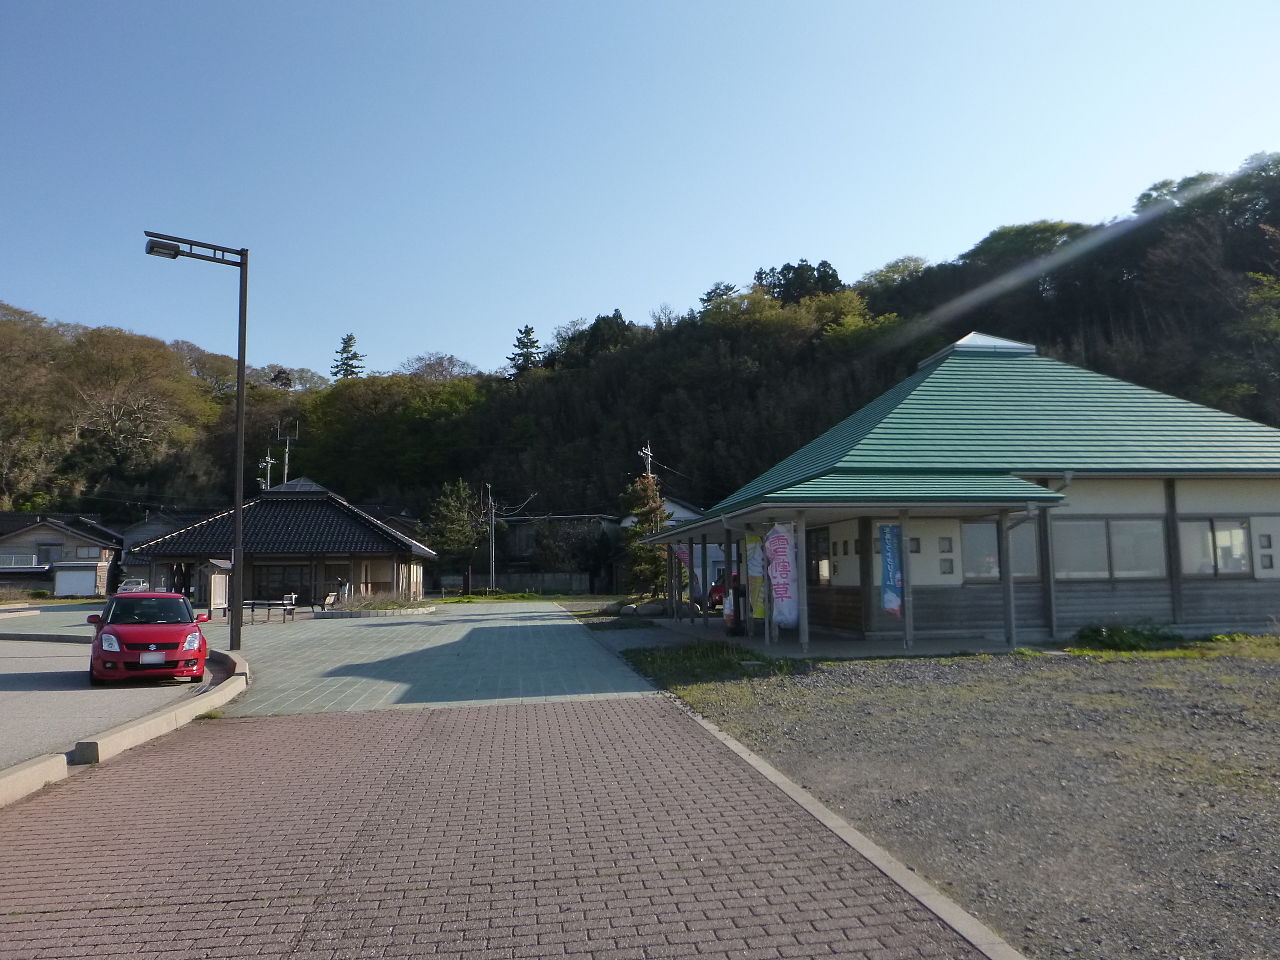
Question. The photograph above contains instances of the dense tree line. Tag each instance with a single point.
(1181, 296)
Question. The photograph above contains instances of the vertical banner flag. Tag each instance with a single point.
(755, 574)
(695, 588)
(890, 570)
(779, 549)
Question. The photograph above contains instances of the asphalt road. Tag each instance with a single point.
(46, 703)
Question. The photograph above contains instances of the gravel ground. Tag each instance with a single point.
(1085, 809)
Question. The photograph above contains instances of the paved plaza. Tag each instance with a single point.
(612, 828)
(460, 654)
(483, 783)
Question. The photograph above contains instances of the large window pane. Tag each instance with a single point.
(1023, 549)
(979, 545)
(1231, 545)
(1196, 546)
(1080, 549)
(978, 548)
(1137, 548)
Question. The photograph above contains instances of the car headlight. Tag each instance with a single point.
(110, 643)
(192, 642)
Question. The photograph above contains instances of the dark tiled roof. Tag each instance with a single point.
(279, 523)
(85, 525)
(68, 523)
(298, 485)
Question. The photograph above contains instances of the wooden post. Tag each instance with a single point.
(904, 558)
(866, 573)
(1173, 549)
(802, 580)
(706, 587)
(671, 607)
(1006, 577)
(1048, 572)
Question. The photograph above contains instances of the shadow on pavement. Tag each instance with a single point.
(497, 663)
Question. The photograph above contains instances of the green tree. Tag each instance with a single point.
(645, 563)
(454, 525)
(528, 352)
(348, 363)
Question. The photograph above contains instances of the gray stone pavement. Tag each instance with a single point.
(462, 653)
(615, 829)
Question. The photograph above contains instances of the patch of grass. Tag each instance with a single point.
(379, 601)
(1143, 635)
(708, 662)
(210, 715)
(1246, 646)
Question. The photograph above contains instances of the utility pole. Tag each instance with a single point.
(287, 438)
(647, 454)
(266, 463)
(493, 583)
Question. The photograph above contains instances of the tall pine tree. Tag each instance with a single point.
(348, 363)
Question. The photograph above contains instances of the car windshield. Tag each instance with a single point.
(150, 610)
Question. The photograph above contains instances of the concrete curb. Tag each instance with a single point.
(982, 937)
(7, 614)
(48, 637)
(135, 732)
(357, 614)
(31, 775)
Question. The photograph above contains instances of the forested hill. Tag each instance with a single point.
(1183, 296)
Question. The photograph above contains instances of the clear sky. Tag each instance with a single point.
(433, 175)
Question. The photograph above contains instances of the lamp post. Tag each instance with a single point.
(171, 248)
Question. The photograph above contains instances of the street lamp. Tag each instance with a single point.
(171, 248)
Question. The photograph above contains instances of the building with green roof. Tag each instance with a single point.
(1030, 496)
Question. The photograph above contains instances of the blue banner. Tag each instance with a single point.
(890, 569)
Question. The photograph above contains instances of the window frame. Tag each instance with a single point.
(1036, 577)
(1107, 520)
(1213, 520)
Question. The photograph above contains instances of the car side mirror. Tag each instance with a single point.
(202, 618)
(93, 618)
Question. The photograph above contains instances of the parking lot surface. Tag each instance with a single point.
(462, 653)
(611, 828)
(46, 703)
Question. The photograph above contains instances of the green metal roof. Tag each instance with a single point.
(993, 406)
(914, 488)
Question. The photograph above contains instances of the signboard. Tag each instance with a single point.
(779, 550)
(890, 569)
(755, 574)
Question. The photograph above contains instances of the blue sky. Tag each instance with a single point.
(433, 175)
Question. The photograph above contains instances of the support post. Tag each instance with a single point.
(866, 573)
(802, 580)
(904, 558)
(1006, 578)
(706, 587)
(1048, 573)
(1173, 549)
(745, 579)
(671, 607)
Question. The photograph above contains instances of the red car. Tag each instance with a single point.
(140, 635)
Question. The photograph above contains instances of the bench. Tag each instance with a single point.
(329, 600)
(287, 606)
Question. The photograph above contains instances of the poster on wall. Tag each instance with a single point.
(890, 570)
(755, 574)
(779, 549)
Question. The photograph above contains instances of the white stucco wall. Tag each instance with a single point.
(1228, 496)
(1099, 496)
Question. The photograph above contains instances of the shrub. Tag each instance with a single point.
(40, 594)
(1143, 635)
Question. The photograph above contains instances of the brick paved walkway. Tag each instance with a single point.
(613, 828)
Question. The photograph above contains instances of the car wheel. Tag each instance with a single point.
(95, 680)
(198, 678)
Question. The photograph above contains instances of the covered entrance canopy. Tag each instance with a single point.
(863, 498)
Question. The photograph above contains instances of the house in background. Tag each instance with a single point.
(299, 538)
(1028, 497)
(679, 513)
(70, 555)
